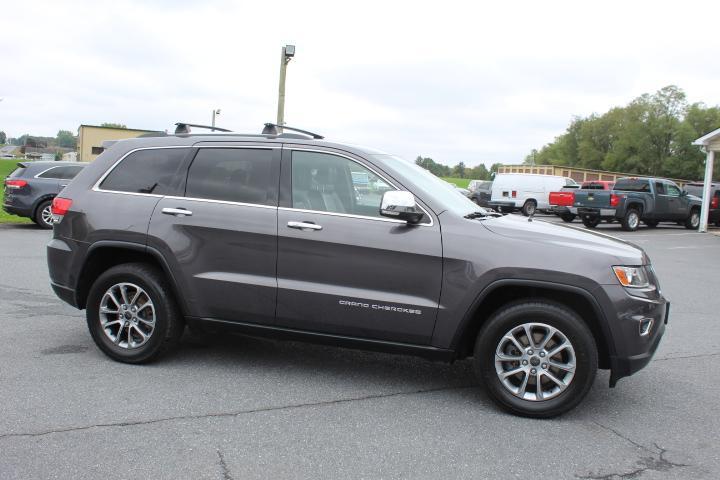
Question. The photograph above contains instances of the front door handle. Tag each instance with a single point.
(304, 226)
(177, 211)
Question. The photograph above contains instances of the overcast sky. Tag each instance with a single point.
(456, 81)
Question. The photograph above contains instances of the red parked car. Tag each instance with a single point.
(561, 203)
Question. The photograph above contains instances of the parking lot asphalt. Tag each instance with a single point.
(236, 408)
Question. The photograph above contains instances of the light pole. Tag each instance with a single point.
(215, 112)
(288, 52)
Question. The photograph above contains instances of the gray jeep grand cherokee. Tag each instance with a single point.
(285, 235)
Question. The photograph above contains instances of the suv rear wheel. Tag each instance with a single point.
(132, 314)
(537, 358)
(43, 215)
(693, 221)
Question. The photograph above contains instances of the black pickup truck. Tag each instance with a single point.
(651, 200)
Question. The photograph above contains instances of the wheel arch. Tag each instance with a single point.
(40, 200)
(103, 255)
(503, 292)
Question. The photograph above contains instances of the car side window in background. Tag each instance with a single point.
(241, 175)
(61, 173)
(672, 190)
(660, 188)
(146, 171)
(328, 183)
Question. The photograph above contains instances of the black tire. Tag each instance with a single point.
(554, 315)
(631, 221)
(39, 218)
(568, 217)
(529, 208)
(169, 325)
(590, 221)
(651, 223)
(693, 220)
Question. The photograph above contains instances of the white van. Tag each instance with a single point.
(525, 191)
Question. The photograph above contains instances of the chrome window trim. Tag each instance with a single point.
(349, 215)
(224, 202)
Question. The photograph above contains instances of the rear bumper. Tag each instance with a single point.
(14, 210)
(65, 294)
(595, 212)
(563, 210)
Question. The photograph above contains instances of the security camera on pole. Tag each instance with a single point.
(288, 52)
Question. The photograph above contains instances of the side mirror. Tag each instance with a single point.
(400, 205)
(683, 193)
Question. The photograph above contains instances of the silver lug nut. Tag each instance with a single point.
(524, 362)
(530, 352)
(544, 365)
(533, 371)
(542, 354)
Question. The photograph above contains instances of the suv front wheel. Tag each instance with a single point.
(132, 314)
(537, 358)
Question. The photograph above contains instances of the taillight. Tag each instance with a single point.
(514, 194)
(60, 207)
(614, 200)
(15, 184)
(714, 202)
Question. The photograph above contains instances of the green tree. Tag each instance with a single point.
(652, 135)
(113, 125)
(479, 172)
(459, 170)
(3, 137)
(494, 169)
(66, 139)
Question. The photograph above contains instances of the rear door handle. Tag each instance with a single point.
(304, 226)
(177, 211)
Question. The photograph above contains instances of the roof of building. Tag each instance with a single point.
(118, 128)
(709, 138)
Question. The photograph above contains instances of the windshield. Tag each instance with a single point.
(442, 191)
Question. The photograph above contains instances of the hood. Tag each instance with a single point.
(539, 232)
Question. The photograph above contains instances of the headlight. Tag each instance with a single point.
(632, 277)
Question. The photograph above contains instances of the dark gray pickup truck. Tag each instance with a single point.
(650, 200)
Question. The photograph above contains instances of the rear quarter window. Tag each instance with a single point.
(155, 171)
(18, 172)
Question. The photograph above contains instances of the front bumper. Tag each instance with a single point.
(627, 315)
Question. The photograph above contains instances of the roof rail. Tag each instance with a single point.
(183, 127)
(272, 129)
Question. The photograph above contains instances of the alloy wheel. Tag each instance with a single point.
(127, 315)
(535, 361)
(46, 215)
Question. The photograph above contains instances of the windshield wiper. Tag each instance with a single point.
(479, 214)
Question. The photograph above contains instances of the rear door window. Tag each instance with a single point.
(660, 188)
(243, 175)
(152, 171)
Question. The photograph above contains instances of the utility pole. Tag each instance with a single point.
(215, 112)
(288, 52)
